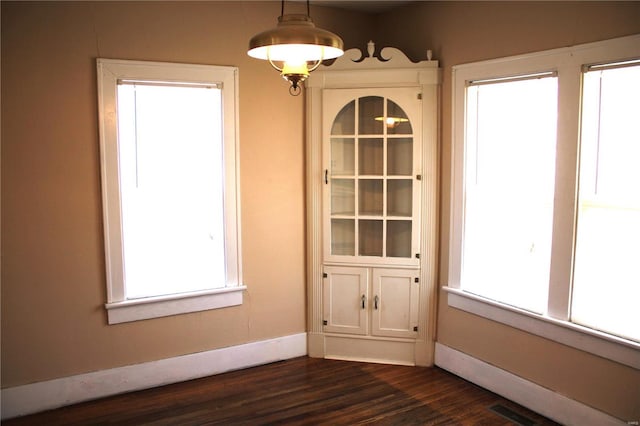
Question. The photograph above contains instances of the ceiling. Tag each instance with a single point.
(370, 6)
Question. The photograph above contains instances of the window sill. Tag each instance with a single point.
(175, 304)
(601, 344)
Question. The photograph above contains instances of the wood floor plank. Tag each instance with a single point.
(301, 391)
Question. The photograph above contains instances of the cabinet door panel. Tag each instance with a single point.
(371, 150)
(346, 300)
(395, 303)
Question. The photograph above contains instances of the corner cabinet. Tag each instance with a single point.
(372, 179)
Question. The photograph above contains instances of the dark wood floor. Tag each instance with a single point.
(300, 391)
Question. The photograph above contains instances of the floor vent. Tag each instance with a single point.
(511, 415)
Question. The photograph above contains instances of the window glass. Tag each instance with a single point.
(345, 122)
(370, 107)
(170, 140)
(396, 120)
(509, 186)
(606, 283)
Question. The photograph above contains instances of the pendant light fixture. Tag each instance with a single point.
(295, 47)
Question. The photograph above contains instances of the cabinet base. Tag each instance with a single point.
(351, 348)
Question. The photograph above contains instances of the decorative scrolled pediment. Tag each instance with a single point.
(389, 57)
(388, 68)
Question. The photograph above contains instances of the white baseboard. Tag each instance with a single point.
(528, 394)
(36, 397)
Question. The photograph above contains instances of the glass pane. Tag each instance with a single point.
(399, 238)
(509, 180)
(370, 237)
(345, 121)
(399, 197)
(172, 223)
(343, 237)
(370, 197)
(370, 156)
(397, 121)
(606, 283)
(400, 156)
(342, 156)
(343, 196)
(370, 107)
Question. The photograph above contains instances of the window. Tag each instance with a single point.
(509, 172)
(608, 229)
(545, 203)
(170, 189)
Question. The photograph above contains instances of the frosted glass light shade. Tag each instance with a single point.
(295, 38)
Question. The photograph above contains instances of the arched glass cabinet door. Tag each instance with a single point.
(371, 181)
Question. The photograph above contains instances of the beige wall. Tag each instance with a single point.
(462, 32)
(53, 272)
(53, 285)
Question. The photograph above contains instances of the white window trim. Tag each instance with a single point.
(118, 308)
(567, 62)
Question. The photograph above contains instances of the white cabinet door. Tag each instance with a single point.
(395, 303)
(346, 300)
(371, 175)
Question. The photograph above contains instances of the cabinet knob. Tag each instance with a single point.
(375, 302)
(364, 301)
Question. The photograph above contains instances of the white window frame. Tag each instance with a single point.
(120, 309)
(555, 325)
